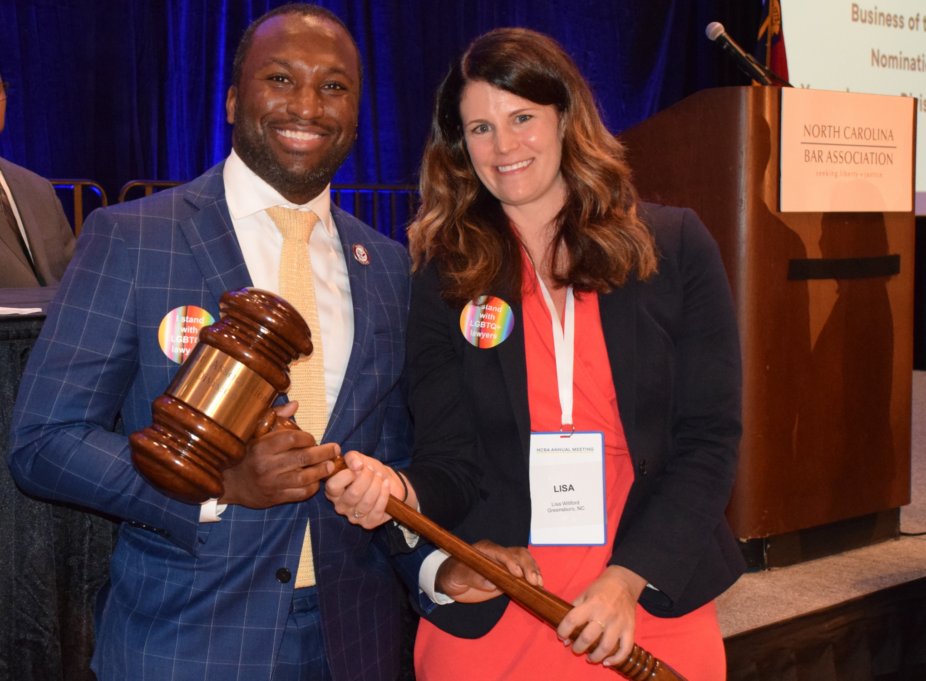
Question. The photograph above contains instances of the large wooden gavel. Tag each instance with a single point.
(223, 396)
(212, 407)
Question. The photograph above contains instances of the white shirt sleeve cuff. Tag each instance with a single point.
(427, 575)
(210, 511)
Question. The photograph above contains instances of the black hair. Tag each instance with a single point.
(300, 9)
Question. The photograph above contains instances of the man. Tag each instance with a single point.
(36, 241)
(227, 599)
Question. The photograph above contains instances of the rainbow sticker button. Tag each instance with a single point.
(487, 322)
(179, 331)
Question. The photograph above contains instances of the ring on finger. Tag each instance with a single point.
(600, 624)
(359, 515)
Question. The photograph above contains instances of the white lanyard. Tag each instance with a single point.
(564, 344)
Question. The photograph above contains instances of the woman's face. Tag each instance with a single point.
(515, 146)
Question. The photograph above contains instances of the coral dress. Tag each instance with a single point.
(522, 646)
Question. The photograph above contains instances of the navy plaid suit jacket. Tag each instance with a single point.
(189, 600)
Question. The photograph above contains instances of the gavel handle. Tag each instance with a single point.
(638, 666)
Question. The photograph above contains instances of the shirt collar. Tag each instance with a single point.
(247, 194)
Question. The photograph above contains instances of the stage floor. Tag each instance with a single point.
(764, 598)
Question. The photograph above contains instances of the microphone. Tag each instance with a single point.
(746, 62)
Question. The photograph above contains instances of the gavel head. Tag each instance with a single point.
(221, 392)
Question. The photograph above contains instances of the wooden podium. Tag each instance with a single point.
(825, 457)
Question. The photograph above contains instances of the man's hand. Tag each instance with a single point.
(465, 585)
(280, 467)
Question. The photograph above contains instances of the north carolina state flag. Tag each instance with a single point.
(770, 49)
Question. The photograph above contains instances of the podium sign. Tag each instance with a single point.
(846, 152)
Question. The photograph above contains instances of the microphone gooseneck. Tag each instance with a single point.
(746, 62)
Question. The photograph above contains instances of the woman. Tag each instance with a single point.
(604, 319)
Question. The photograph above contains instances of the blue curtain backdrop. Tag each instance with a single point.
(114, 90)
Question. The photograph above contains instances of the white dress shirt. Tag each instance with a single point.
(427, 577)
(261, 243)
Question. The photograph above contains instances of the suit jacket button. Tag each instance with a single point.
(284, 575)
(642, 466)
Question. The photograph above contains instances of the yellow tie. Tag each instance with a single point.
(308, 375)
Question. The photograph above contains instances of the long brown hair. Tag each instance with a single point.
(463, 227)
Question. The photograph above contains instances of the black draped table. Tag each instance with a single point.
(53, 558)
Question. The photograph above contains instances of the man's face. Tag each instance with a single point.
(295, 109)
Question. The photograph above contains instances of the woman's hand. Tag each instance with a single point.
(360, 493)
(607, 608)
(465, 585)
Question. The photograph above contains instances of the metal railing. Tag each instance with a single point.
(77, 205)
(388, 208)
(370, 202)
(148, 187)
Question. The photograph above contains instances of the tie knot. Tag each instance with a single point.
(295, 225)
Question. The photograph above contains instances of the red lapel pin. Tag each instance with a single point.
(361, 255)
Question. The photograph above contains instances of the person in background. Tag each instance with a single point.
(267, 582)
(36, 240)
(574, 377)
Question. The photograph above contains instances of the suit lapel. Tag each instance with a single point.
(618, 323)
(349, 233)
(211, 236)
(513, 359)
(618, 311)
(18, 195)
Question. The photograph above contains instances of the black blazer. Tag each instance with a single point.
(675, 359)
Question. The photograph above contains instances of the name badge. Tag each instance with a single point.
(567, 489)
